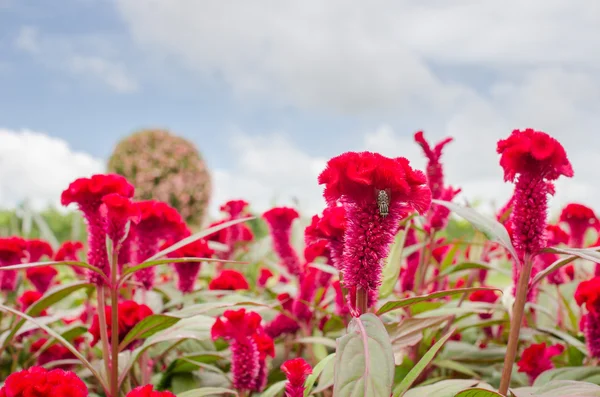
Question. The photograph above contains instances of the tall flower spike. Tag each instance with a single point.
(579, 218)
(296, 372)
(280, 221)
(377, 193)
(266, 348)
(187, 272)
(158, 222)
(435, 171)
(238, 327)
(283, 323)
(531, 159)
(235, 210)
(87, 193)
(12, 252)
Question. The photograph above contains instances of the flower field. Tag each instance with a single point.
(375, 296)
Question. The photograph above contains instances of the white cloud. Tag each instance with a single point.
(38, 167)
(85, 58)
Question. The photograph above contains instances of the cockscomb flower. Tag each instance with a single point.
(439, 215)
(266, 348)
(88, 193)
(226, 237)
(238, 327)
(12, 252)
(531, 159)
(588, 295)
(579, 218)
(306, 294)
(296, 372)
(69, 252)
(41, 277)
(229, 280)
(377, 193)
(28, 298)
(54, 352)
(487, 296)
(331, 228)
(118, 211)
(263, 277)
(130, 313)
(283, 323)
(40, 382)
(158, 222)
(37, 249)
(318, 249)
(537, 358)
(554, 236)
(234, 209)
(407, 276)
(187, 272)
(435, 171)
(280, 221)
(148, 391)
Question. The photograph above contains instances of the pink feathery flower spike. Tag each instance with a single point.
(280, 221)
(283, 323)
(12, 251)
(266, 348)
(435, 171)
(588, 295)
(238, 327)
(296, 372)
(187, 272)
(580, 219)
(377, 192)
(88, 193)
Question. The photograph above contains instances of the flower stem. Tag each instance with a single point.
(103, 330)
(362, 300)
(515, 324)
(114, 303)
(423, 262)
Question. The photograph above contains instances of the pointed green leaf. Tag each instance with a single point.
(208, 391)
(478, 393)
(148, 327)
(581, 374)
(552, 268)
(391, 270)
(274, 390)
(560, 388)
(364, 364)
(312, 378)
(444, 388)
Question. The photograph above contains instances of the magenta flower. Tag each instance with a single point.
(283, 323)
(537, 358)
(38, 249)
(435, 171)
(68, 252)
(554, 236)
(330, 228)
(588, 295)
(580, 219)
(187, 272)
(296, 372)
(377, 192)
(280, 221)
(266, 348)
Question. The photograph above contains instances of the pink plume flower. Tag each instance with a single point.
(587, 295)
(537, 358)
(187, 272)
(579, 218)
(283, 323)
(12, 251)
(280, 221)
(235, 209)
(88, 193)
(238, 327)
(296, 372)
(435, 171)
(41, 277)
(266, 348)
(229, 280)
(358, 180)
(37, 249)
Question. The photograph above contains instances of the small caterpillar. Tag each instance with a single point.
(383, 202)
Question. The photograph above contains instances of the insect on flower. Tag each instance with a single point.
(383, 202)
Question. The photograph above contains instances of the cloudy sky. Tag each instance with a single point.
(269, 90)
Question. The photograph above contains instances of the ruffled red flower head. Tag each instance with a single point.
(296, 372)
(159, 215)
(265, 344)
(37, 249)
(588, 294)
(537, 359)
(28, 298)
(121, 207)
(228, 279)
(234, 208)
(41, 277)
(535, 152)
(223, 236)
(148, 391)
(317, 249)
(88, 192)
(264, 275)
(280, 221)
(12, 250)
(488, 296)
(578, 213)
(39, 382)
(68, 251)
(359, 176)
(236, 325)
(281, 217)
(556, 235)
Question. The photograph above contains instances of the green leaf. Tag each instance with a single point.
(52, 263)
(391, 270)
(207, 391)
(561, 388)
(421, 365)
(312, 378)
(468, 266)
(394, 305)
(492, 229)
(409, 332)
(444, 388)
(478, 393)
(130, 270)
(274, 390)
(552, 268)
(581, 374)
(192, 362)
(583, 253)
(456, 367)
(317, 340)
(364, 364)
(148, 327)
(576, 343)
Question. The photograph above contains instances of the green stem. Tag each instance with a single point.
(515, 324)
(100, 292)
(114, 303)
(423, 262)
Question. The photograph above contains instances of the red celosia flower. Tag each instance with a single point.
(159, 222)
(130, 313)
(37, 249)
(306, 295)
(230, 237)
(330, 228)
(39, 382)
(555, 236)
(280, 221)
(319, 248)
(488, 296)
(266, 348)
(54, 352)
(147, 391)
(41, 277)
(29, 298)
(570, 271)
(231, 280)
(296, 372)
(87, 193)
(377, 192)
(118, 211)
(579, 218)
(234, 208)
(12, 252)
(235, 233)
(588, 294)
(537, 359)
(264, 276)
(238, 327)
(438, 218)
(283, 323)
(532, 159)
(68, 252)
(435, 171)
(187, 272)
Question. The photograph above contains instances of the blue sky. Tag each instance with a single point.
(269, 90)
